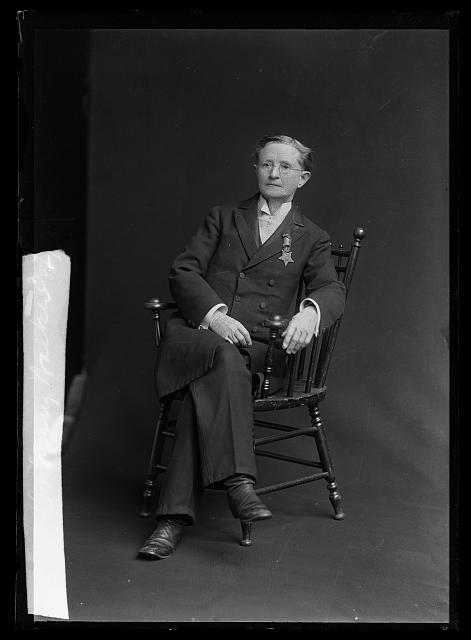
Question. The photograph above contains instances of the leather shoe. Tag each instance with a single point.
(163, 540)
(244, 503)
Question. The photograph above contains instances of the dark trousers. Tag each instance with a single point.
(214, 433)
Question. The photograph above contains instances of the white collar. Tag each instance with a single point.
(263, 206)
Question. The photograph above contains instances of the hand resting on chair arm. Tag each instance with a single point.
(298, 334)
(230, 329)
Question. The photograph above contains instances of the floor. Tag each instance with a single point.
(303, 565)
(386, 562)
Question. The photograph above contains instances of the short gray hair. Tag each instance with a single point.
(304, 152)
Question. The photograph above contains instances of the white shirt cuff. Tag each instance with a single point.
(305, 303)
(207, 318)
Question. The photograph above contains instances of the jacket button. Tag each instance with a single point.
(237, 298)
(241, 274)
(271, 282)
(262, 305)
(254, 329)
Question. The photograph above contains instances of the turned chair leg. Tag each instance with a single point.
(148, 497)
(326, 461)
(246, 533)
(149, 494)
(336, 500)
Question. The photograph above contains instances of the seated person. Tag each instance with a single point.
(243, 265)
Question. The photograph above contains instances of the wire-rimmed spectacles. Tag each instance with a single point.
(283, 167)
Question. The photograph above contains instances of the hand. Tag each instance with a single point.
(298, 334)
(230, 329)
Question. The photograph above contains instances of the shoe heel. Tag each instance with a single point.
(233, 509)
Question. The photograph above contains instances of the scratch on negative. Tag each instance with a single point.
(385, 104)
(275, 564)
(379, 35)
(288, 540)
(343, 563)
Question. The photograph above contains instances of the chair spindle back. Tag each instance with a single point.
(321, 348)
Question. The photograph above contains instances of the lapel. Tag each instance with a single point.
(246, 221)
(292, 224)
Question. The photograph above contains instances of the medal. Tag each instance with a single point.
(286, 250)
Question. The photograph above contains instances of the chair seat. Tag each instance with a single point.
(298, 398)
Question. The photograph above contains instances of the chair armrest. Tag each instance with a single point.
(156, 306)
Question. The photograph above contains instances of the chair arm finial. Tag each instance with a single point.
(153, 303)
(359, 233)
(276, 322)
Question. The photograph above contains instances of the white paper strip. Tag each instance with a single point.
(46, 278)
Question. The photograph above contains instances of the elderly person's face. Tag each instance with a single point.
(279, 171)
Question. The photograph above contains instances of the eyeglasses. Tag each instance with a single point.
(283, 167)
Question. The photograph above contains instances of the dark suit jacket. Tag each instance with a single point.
(223, 263)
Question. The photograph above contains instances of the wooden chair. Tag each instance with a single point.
(306, 387)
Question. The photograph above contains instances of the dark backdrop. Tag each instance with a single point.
(53, 143)
(174, 115)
